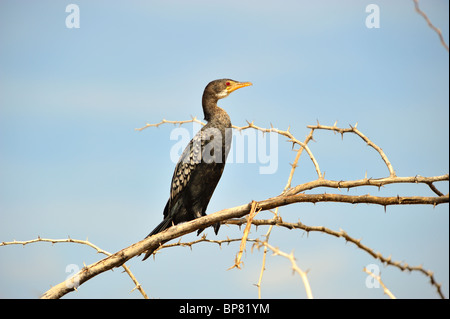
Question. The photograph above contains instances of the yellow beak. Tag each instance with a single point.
(237, 85)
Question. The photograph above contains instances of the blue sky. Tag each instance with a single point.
(71, 163)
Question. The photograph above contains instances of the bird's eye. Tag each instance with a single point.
(228, 83)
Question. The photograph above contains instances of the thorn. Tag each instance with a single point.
(136, 287)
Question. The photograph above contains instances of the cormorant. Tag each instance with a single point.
(202, 162)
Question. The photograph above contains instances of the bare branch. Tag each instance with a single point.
(289, 196)
(292, 139)
(203, 239)
(164, 121)
(82, 242)
(119, 258)
(250, 125)
(378, 278)
(263, 264)
(295, 267)
(378, 182)
(251, 215)
(353, 129)
(297, 157)
(342, 234)
(437, 30)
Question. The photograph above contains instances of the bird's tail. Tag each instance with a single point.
(166, 223)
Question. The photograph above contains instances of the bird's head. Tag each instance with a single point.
(223, 87)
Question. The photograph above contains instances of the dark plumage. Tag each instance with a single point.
(201, 165)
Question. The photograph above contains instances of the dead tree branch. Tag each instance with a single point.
(289, 196)
(378, 278)
(437, 30)
(295, 267)
(277, 221)
(82, 242)
(354, 130)
(119, 258)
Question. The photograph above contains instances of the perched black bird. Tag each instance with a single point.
(201, 165)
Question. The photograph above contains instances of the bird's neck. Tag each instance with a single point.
(210, 108)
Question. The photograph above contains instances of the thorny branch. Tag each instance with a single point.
(82, 242)
(285, 197)
(203, 239)
(251, 215)
(277, 221)
(289, 196)
(286, 133)
(354, 130)
(378, 278)
(295, 267)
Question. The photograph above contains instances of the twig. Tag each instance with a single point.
(251, 215)
(164, 121)
(203, 239)
(263, 263)
(295, 267)
(342, 234)
(378, 278)
(286, 133)
(437, 30)
(354, 130)
(377, 182)
(82, 242)
(297, 157)
(292, 139)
